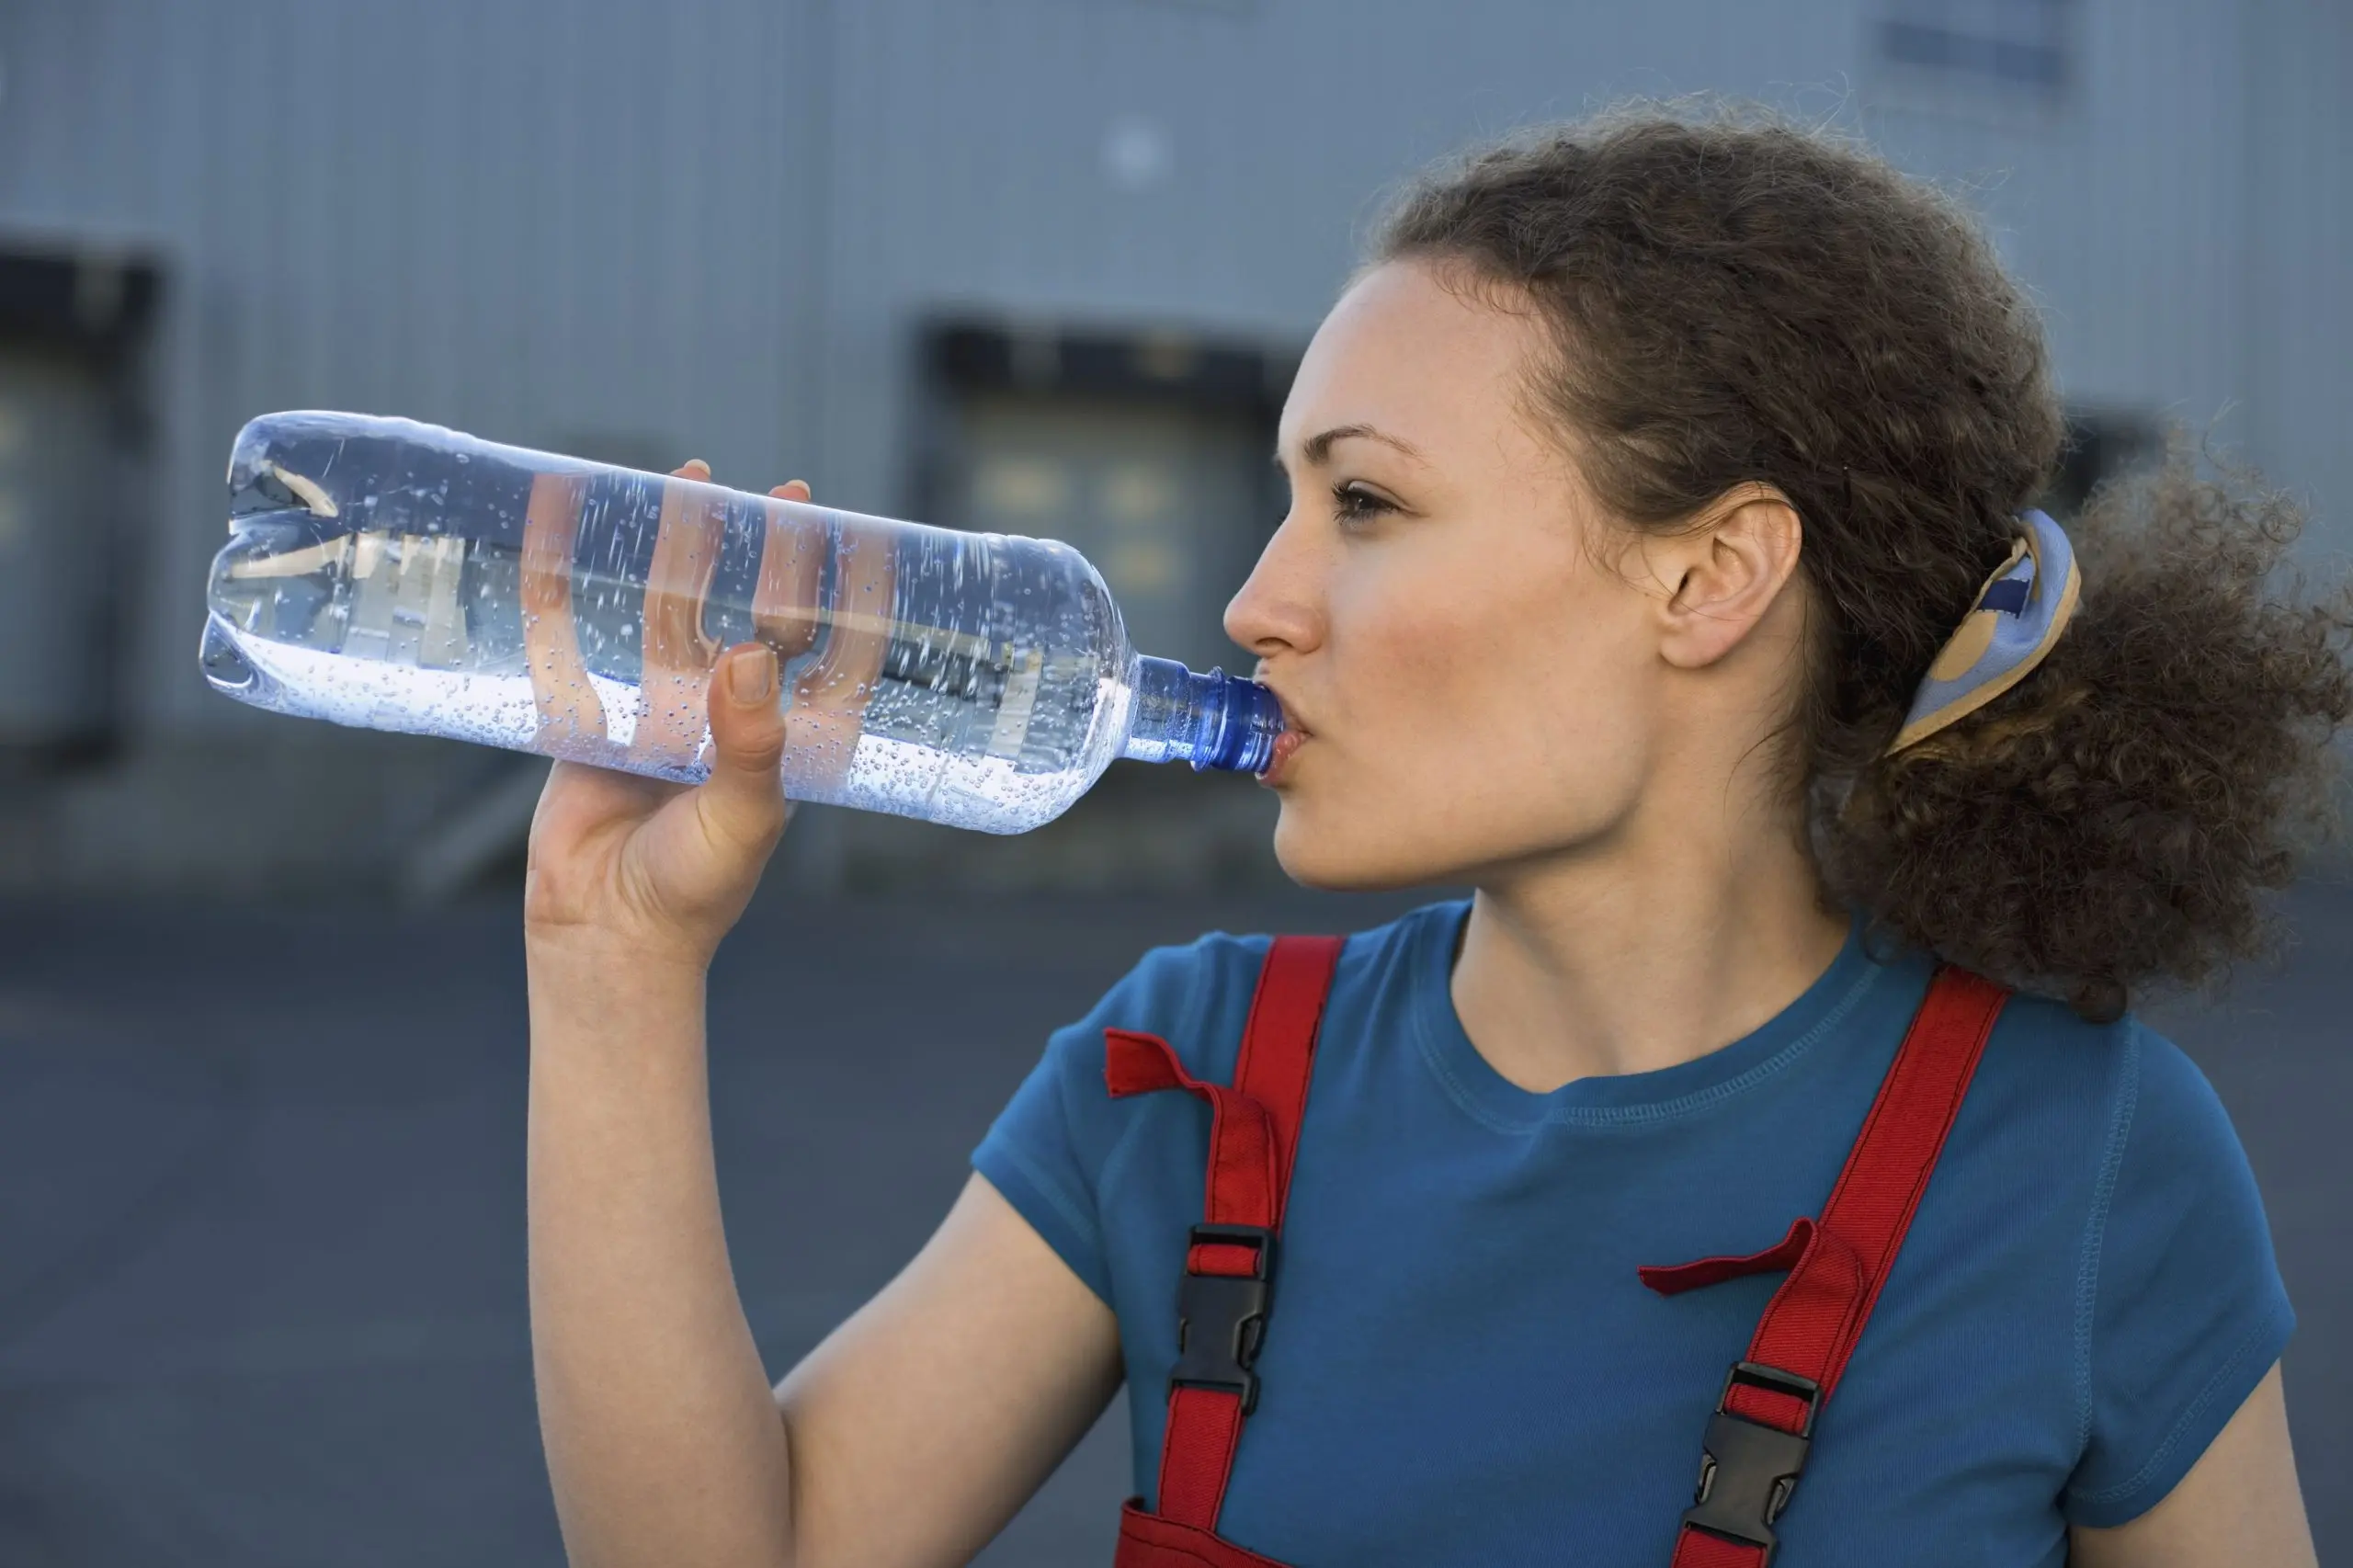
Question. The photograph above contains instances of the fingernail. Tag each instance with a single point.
(751, 677)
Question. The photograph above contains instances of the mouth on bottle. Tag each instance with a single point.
(1286, 745)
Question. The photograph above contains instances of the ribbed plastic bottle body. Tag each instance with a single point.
(402, 576)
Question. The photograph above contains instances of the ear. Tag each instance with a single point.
(1723, 573)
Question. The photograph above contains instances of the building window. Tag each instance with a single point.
(2017, 52)
(1148, 450)
(73, 331)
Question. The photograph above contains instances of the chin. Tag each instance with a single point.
(1354, 859)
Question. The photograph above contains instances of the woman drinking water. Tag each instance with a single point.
(1763, 1163)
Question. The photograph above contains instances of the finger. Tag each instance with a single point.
(743, 801)
(693, 468)
(577, 798)
(791, 490)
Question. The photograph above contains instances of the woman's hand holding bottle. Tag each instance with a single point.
(652, 872)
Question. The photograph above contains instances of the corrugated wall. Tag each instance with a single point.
(537, 221)
(2297, 244)
(711, 225)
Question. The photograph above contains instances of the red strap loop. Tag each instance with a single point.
(1673, 1279)
(1243, 1187)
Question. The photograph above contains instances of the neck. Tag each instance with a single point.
(1653, 949)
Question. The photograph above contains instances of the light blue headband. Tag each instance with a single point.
(2016, 619)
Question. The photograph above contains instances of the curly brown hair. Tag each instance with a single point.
(1736, 298)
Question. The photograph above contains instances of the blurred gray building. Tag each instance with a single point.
(1040, 265)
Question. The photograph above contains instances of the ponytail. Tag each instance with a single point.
(2112, 820)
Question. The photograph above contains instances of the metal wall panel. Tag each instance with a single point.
(2119, 208)
(2296, 239)
(711, 225)
(980, 148)
(540, 222)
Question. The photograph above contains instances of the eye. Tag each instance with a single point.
(1352, 503)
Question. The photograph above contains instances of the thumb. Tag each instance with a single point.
(743, 798)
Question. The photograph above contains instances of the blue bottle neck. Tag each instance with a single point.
(1209, 720)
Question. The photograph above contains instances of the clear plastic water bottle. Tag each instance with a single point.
(402, 576)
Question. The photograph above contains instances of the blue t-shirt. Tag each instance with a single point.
(1462, 1367)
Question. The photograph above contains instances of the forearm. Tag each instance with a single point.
(664, 1443)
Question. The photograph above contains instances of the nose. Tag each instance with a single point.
(1279, 608)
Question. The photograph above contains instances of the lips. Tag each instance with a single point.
(1294, 736)
(1289, 741)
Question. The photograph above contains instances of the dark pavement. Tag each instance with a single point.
(261, 1216)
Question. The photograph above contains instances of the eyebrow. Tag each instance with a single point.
(1317, 448)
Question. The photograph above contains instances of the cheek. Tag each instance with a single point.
(1479, 716)
(1541, 654)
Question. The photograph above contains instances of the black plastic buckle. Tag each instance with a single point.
(1748, 1469)
(1220, 1318)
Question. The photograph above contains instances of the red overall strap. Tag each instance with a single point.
(1229, 1265)
(1756, 1443)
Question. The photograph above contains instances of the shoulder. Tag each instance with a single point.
(1196, 995)
(1181, 993)
(2173, 1148)
(2054, 1038)
(2145, 1088)
(2097, 1141)
(2173, 1105)
(2116, 1102)
(1048, 1151)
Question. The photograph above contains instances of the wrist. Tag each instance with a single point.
(599, 959)
(610, 919)
(613, 1006)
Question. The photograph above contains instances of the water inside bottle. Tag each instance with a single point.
(451, 586)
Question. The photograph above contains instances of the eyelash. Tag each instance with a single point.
(1353, 504)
